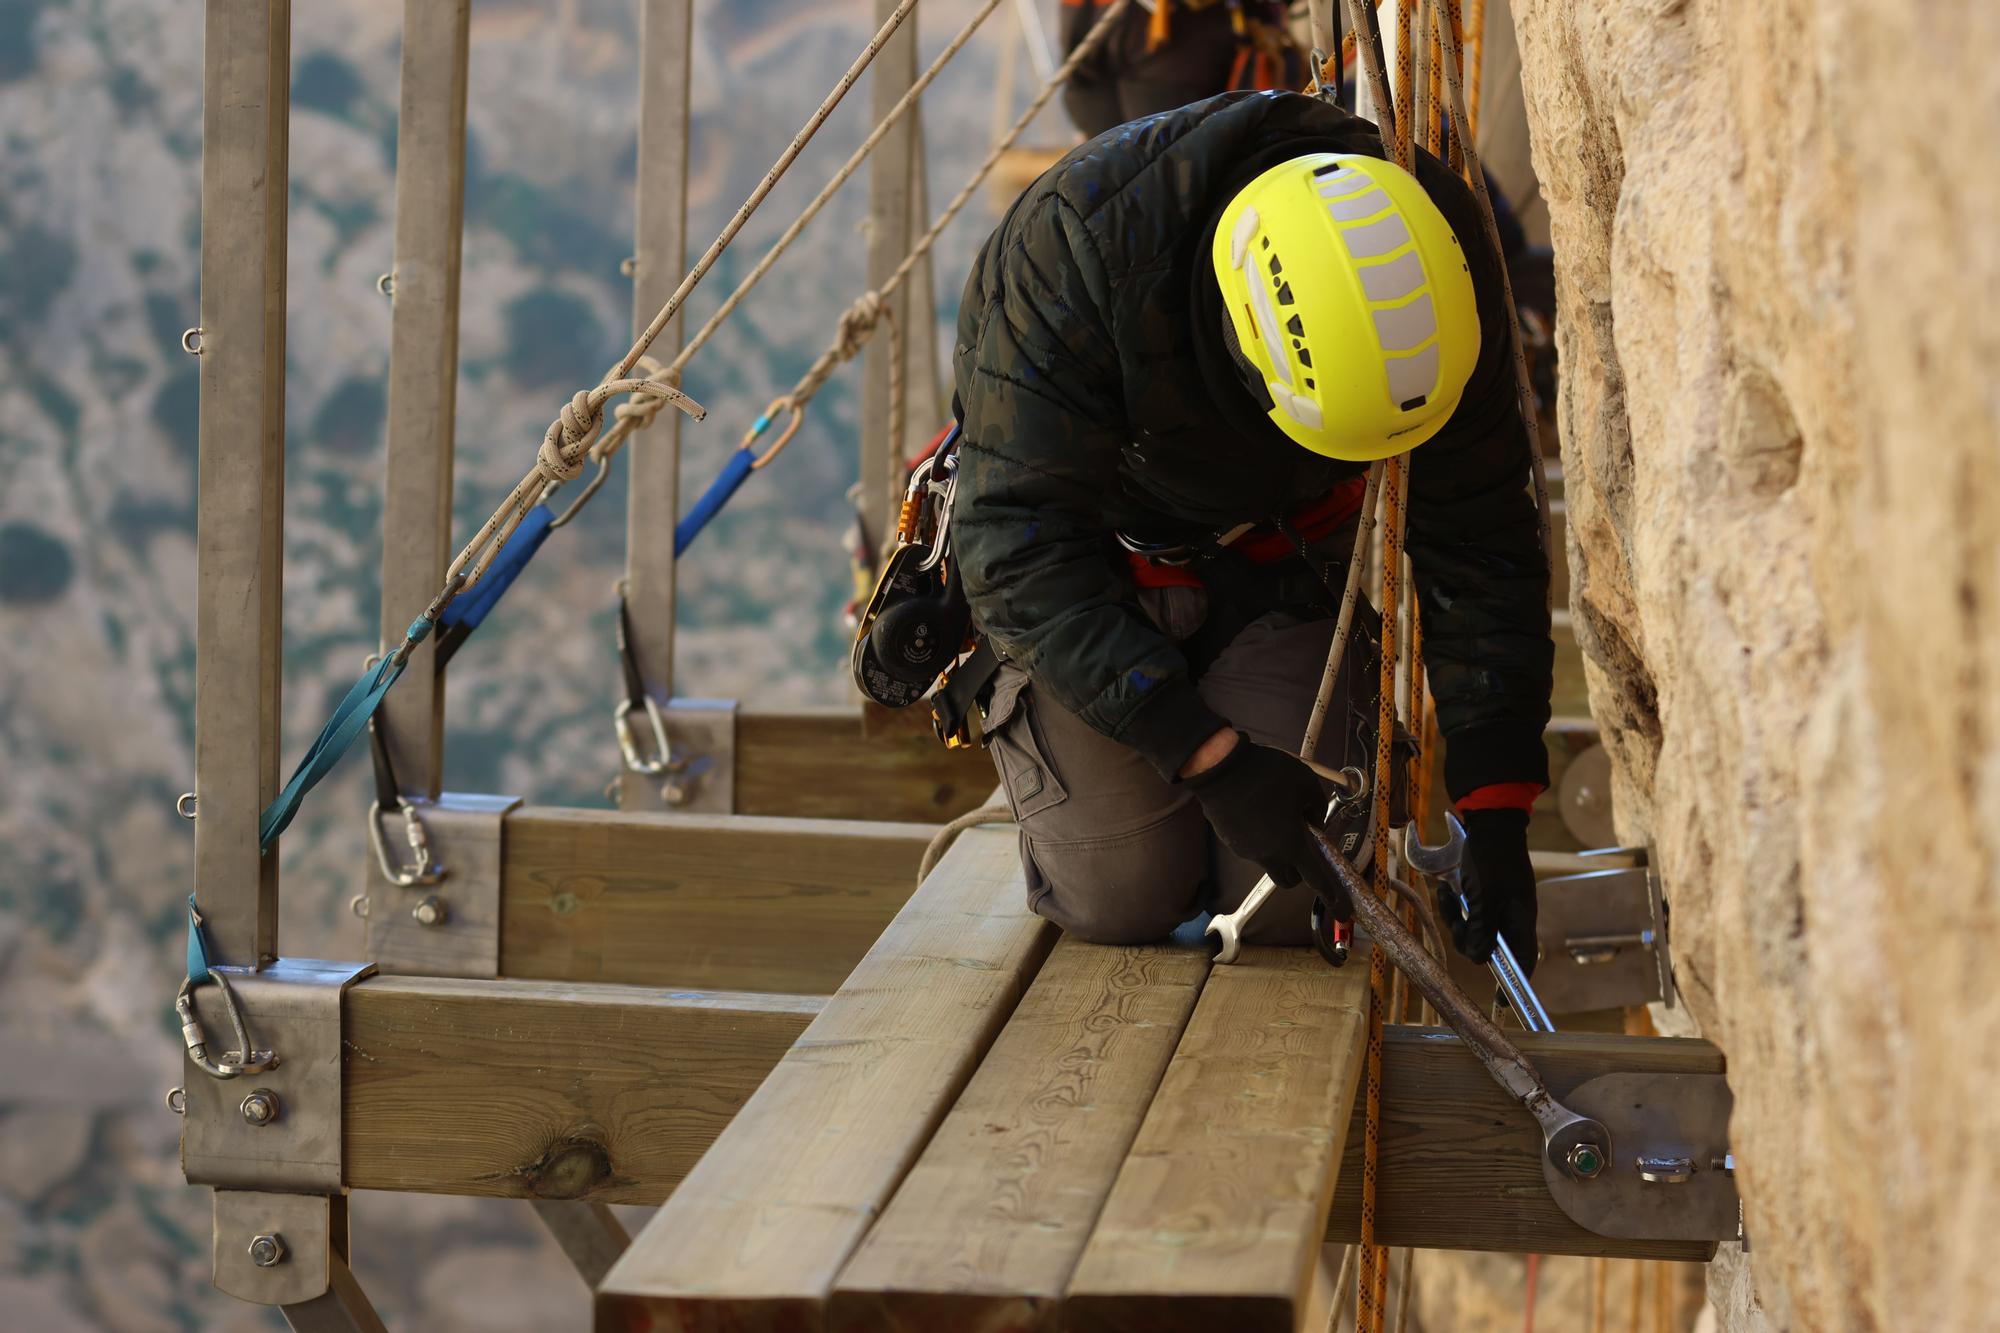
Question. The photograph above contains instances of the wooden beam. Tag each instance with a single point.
(239, 543)
(541, 1090)
(342, 1308)
(889, 237)
(984, 1232)
(589, 1234)
(720, 902)
(423, 372)
(756, 1237)
(1461, 1164)
(820, 764)
(1217, 1218)
(666, 44)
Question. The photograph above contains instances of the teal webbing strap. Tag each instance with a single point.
(197, 952)
(349, 720)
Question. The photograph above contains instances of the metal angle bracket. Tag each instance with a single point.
(450, 928)
(1669, 1173)
(273, 1249)
(280, 1129)
(701, 775)
(1599, 941)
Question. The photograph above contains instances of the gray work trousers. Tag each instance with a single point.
(1116, 854)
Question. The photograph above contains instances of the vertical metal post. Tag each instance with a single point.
(246, 109)
(889, 236)
(666, 42)
(423, 371)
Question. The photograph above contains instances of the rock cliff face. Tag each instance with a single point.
(1778, 269)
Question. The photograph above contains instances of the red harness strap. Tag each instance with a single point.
(1264, 544)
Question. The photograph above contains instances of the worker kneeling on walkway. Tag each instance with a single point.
(1175, 359)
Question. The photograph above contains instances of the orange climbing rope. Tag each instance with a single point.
(1473, 36)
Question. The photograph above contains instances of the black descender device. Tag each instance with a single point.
(917, 623)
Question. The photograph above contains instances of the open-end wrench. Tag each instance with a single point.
(1575, 1145)
(1228, 928)
(1446, 862)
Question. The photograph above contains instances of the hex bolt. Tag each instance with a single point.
(267, 1251)
(261, 1107)
(429, 912)
(1585, 1161)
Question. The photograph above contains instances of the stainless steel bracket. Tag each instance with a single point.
(1583, 798)
(701, 779)
(1669, 1174)
(279, 1129)
(450, 928)
(1599, 941)
(273, 1249)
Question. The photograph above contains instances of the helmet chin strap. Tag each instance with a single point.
(1252, 378)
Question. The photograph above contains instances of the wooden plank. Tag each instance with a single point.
(423, 372)
(1218, 1215)
(721, 902)
(541, 1090)
(589, 1234)
(239, 544)
(818, 764)
(1461, 1161)
(986, 1229)
(342, 1308)
(756, 1236)
(659, 260)
(928, 402)
(889, 237)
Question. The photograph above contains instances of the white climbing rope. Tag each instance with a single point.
(569, 436)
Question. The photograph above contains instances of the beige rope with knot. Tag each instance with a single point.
(861, 318)
(942, 840)
(569, 437)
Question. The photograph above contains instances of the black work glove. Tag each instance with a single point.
(1499, 885)
(1259, 801)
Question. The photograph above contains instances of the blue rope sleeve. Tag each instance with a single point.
(348, 721)
(713, 499)
(197, 950)
(468, 610)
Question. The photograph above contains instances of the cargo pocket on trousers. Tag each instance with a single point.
(1019, 751)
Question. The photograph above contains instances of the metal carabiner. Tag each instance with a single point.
(628, 742)
(590, 488)
(423, 870)
(242, 1060)
(941, 527)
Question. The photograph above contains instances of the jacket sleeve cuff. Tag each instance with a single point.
(1501, 796)
(1492, 754)
(1170, 725)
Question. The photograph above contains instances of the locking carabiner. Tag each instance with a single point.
(628, 741)
(423, 870)
(233, 1064)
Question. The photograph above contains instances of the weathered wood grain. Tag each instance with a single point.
(659, 260)
(819, 764)
(239, 542)
(713, 901)
(984, 1232)
(1217, 1218)
(423, 371)
(543, 1090)
(763, 1224)
(1461, 1161)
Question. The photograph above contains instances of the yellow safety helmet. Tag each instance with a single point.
(1347, 291)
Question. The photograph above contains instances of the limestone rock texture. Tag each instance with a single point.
(1779, 276)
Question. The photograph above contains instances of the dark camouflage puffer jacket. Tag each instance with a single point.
(1096, 396)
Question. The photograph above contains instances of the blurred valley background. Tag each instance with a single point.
(100, 116)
